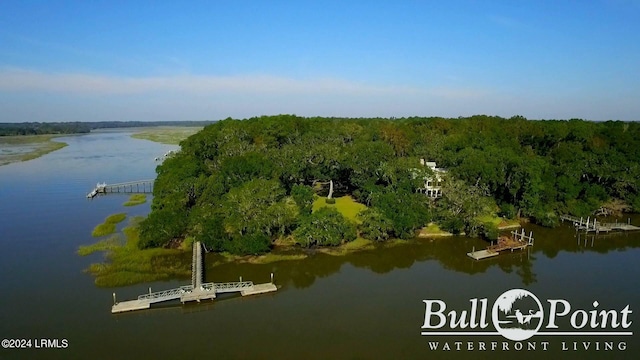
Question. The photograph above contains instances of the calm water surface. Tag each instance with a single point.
(363, 306)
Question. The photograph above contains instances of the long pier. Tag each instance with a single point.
(593, 225)
(132, 187)
(519, 241)
(197, 291)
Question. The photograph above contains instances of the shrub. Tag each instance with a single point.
(303, 196)
(254, 244)
(490, 231)
(508, 211)
(453, 225)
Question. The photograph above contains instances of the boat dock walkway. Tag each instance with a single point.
(594, 225)
(519, 241)
(132, 187)
(197, 291)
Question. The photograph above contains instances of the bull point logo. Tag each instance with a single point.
(517, 314)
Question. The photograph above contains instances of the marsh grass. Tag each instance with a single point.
(39, 145)
(126, 264)
(359, 244)
(109, 225)
(136, 199)
(272, 258)
(171, 135)
(109, 243)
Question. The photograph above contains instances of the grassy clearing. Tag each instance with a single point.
(433, 230)
(348, 207)
(501, 223)
(126, 264)
(509, 224)
(109, 225)
(167, 134)
(136, 199)
(24, 148)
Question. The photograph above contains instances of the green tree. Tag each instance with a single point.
(248, 206)
(465, 204)
(303, 196)
(325, 227)
(406, 210)
(375, 226)
(162, 226)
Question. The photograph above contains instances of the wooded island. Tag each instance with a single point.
(240, 185)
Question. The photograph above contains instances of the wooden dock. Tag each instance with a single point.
(131, 187)
(519, 241)
(593, 225)
(197, 291)
(482, 254)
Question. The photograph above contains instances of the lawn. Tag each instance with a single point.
(348, 207)
(500, 222)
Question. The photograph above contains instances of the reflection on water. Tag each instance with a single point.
(365, 305)
(450, 253)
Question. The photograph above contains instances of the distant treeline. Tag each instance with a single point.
(38, 128)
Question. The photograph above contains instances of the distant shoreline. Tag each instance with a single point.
(20, 148)
(69, 128)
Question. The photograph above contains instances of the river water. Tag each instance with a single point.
(367, 305)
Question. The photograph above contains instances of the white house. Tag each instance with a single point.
(433, 184)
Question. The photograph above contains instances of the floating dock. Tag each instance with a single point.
(482, 254)
(519, 241)
(594, 225)
(197, 291)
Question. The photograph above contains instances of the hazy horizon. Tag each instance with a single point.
(169, 61)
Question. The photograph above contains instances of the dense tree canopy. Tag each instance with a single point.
(237, 185)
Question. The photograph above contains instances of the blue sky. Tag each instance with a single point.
(170, 60)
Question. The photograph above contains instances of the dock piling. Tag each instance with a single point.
(196, 291)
